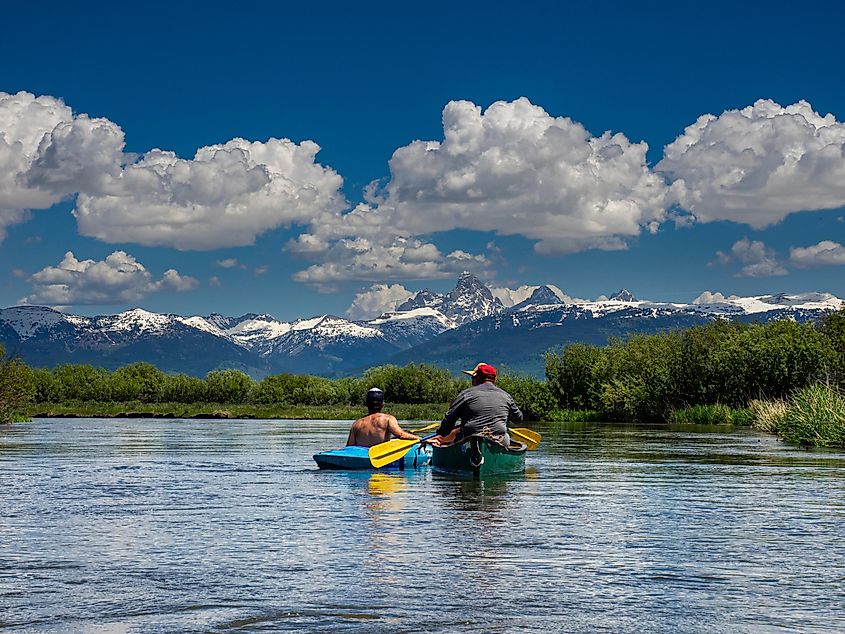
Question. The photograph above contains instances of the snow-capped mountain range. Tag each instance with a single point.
(453, 330)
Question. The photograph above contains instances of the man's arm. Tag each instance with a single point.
(452, 415)
(514, 413)
(351, 440)
(397, 431)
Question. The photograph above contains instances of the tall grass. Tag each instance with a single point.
(718, 414)
(702, 415)
(815, 417)
(767, 415)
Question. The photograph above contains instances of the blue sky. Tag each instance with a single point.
(365, 80)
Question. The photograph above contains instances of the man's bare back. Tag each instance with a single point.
(376, 428)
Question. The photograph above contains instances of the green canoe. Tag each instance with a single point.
(478, 456)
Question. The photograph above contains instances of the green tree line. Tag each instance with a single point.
(725, 362)
(644, 377)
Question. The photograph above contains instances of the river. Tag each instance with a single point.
(133, 525)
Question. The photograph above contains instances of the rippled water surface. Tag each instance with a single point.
(227, 526)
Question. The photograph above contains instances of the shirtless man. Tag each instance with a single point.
(376, 427)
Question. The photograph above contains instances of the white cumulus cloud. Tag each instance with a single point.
(372, 260)
(48, 153)
(759, 164)
(756, 258)
(514, 170)
(225, 196)
(825, 253)
(378, 299)
(118, 279)
(710, 298)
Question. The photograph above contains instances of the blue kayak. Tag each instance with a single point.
(358, 458)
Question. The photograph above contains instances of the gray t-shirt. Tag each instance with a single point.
(481, 406)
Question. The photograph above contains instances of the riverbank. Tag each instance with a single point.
(135, 409)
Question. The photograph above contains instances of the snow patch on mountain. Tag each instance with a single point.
(26, 321)
(201, 323)
(416, 313)
(716, 302)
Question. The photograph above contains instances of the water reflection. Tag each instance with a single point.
(383, 485)
(156, 525)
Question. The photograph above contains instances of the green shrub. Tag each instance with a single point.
(648, 377)
(299, 389)
(413, 383)
(181, 388)
(81, 383)
(137, 382)
(16, 389)
(717, 414)
(832, 327)
(229, 386)
(742, 416)
(46, 386)
(532, 396)
(571, 376)
(815, 417)
(769, 361)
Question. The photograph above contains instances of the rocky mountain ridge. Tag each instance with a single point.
(464, 324)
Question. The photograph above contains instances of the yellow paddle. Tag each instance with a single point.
(530, 439)
(426, 428)
(386, 452)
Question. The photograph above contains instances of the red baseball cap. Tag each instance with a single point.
(484, 369)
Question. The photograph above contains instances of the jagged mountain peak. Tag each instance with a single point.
(423, 299)
(469, 284)
(623, 295)
(545, 295)
(471, 299)
(257, 317)
(541, 296)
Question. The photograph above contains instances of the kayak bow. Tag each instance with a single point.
(358, 458)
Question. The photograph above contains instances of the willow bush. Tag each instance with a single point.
(16, 388)
(414, 383)
(648, 377)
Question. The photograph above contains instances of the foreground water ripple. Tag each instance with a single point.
(226, 526)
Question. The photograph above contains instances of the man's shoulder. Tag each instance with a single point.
(492, 387)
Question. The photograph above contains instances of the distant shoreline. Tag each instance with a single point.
(219, 411)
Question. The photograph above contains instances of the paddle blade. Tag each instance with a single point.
(387, 452)
(426, 428)
(530, 439)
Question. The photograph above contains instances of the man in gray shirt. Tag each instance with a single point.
(484, 407)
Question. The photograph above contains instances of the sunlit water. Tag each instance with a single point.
(227, 526)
